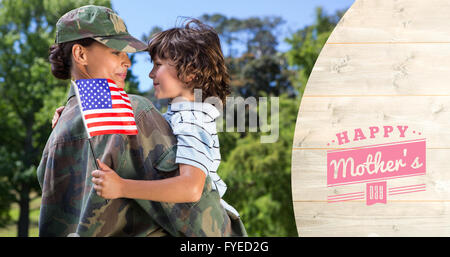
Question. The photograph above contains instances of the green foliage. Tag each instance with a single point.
(258, 177)
(260, 70)
(131, 82)
(146, 37)
(256, 33)
(263, 76)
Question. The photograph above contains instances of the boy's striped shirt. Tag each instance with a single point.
(193, 124)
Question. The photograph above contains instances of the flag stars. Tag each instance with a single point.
(94, 94)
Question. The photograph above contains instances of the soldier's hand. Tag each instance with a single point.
(106, 182)
(56, 116)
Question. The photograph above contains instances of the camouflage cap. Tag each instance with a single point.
(99, 23)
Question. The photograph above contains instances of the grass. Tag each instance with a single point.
(33, 230)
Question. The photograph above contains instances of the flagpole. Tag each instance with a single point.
(92, 151)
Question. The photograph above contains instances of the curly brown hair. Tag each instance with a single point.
(195, 49)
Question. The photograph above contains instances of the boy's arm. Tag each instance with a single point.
(187, 187)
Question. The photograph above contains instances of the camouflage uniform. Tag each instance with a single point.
(70, 205)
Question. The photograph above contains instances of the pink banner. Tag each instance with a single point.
(376, 162)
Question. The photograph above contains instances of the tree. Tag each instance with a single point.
(131, 81)
(226, 27)
(259, 70)
(255, 34)
(28, 92)
(258, 176)
(261, 40)
(307, 43)
(153, 31)
(263, 76)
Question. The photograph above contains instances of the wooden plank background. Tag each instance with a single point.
(386, 63)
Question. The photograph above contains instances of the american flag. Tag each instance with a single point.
(106, 108)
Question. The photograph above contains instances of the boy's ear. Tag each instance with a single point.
(79, 54)
(189, 78)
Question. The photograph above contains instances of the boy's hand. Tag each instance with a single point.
(55, 119)
(106, 182)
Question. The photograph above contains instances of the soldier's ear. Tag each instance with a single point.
(79, 54)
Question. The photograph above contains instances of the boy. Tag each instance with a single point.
(184, 59)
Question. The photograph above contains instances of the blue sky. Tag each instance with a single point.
(141, 16)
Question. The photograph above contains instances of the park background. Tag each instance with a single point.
(270, 49)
